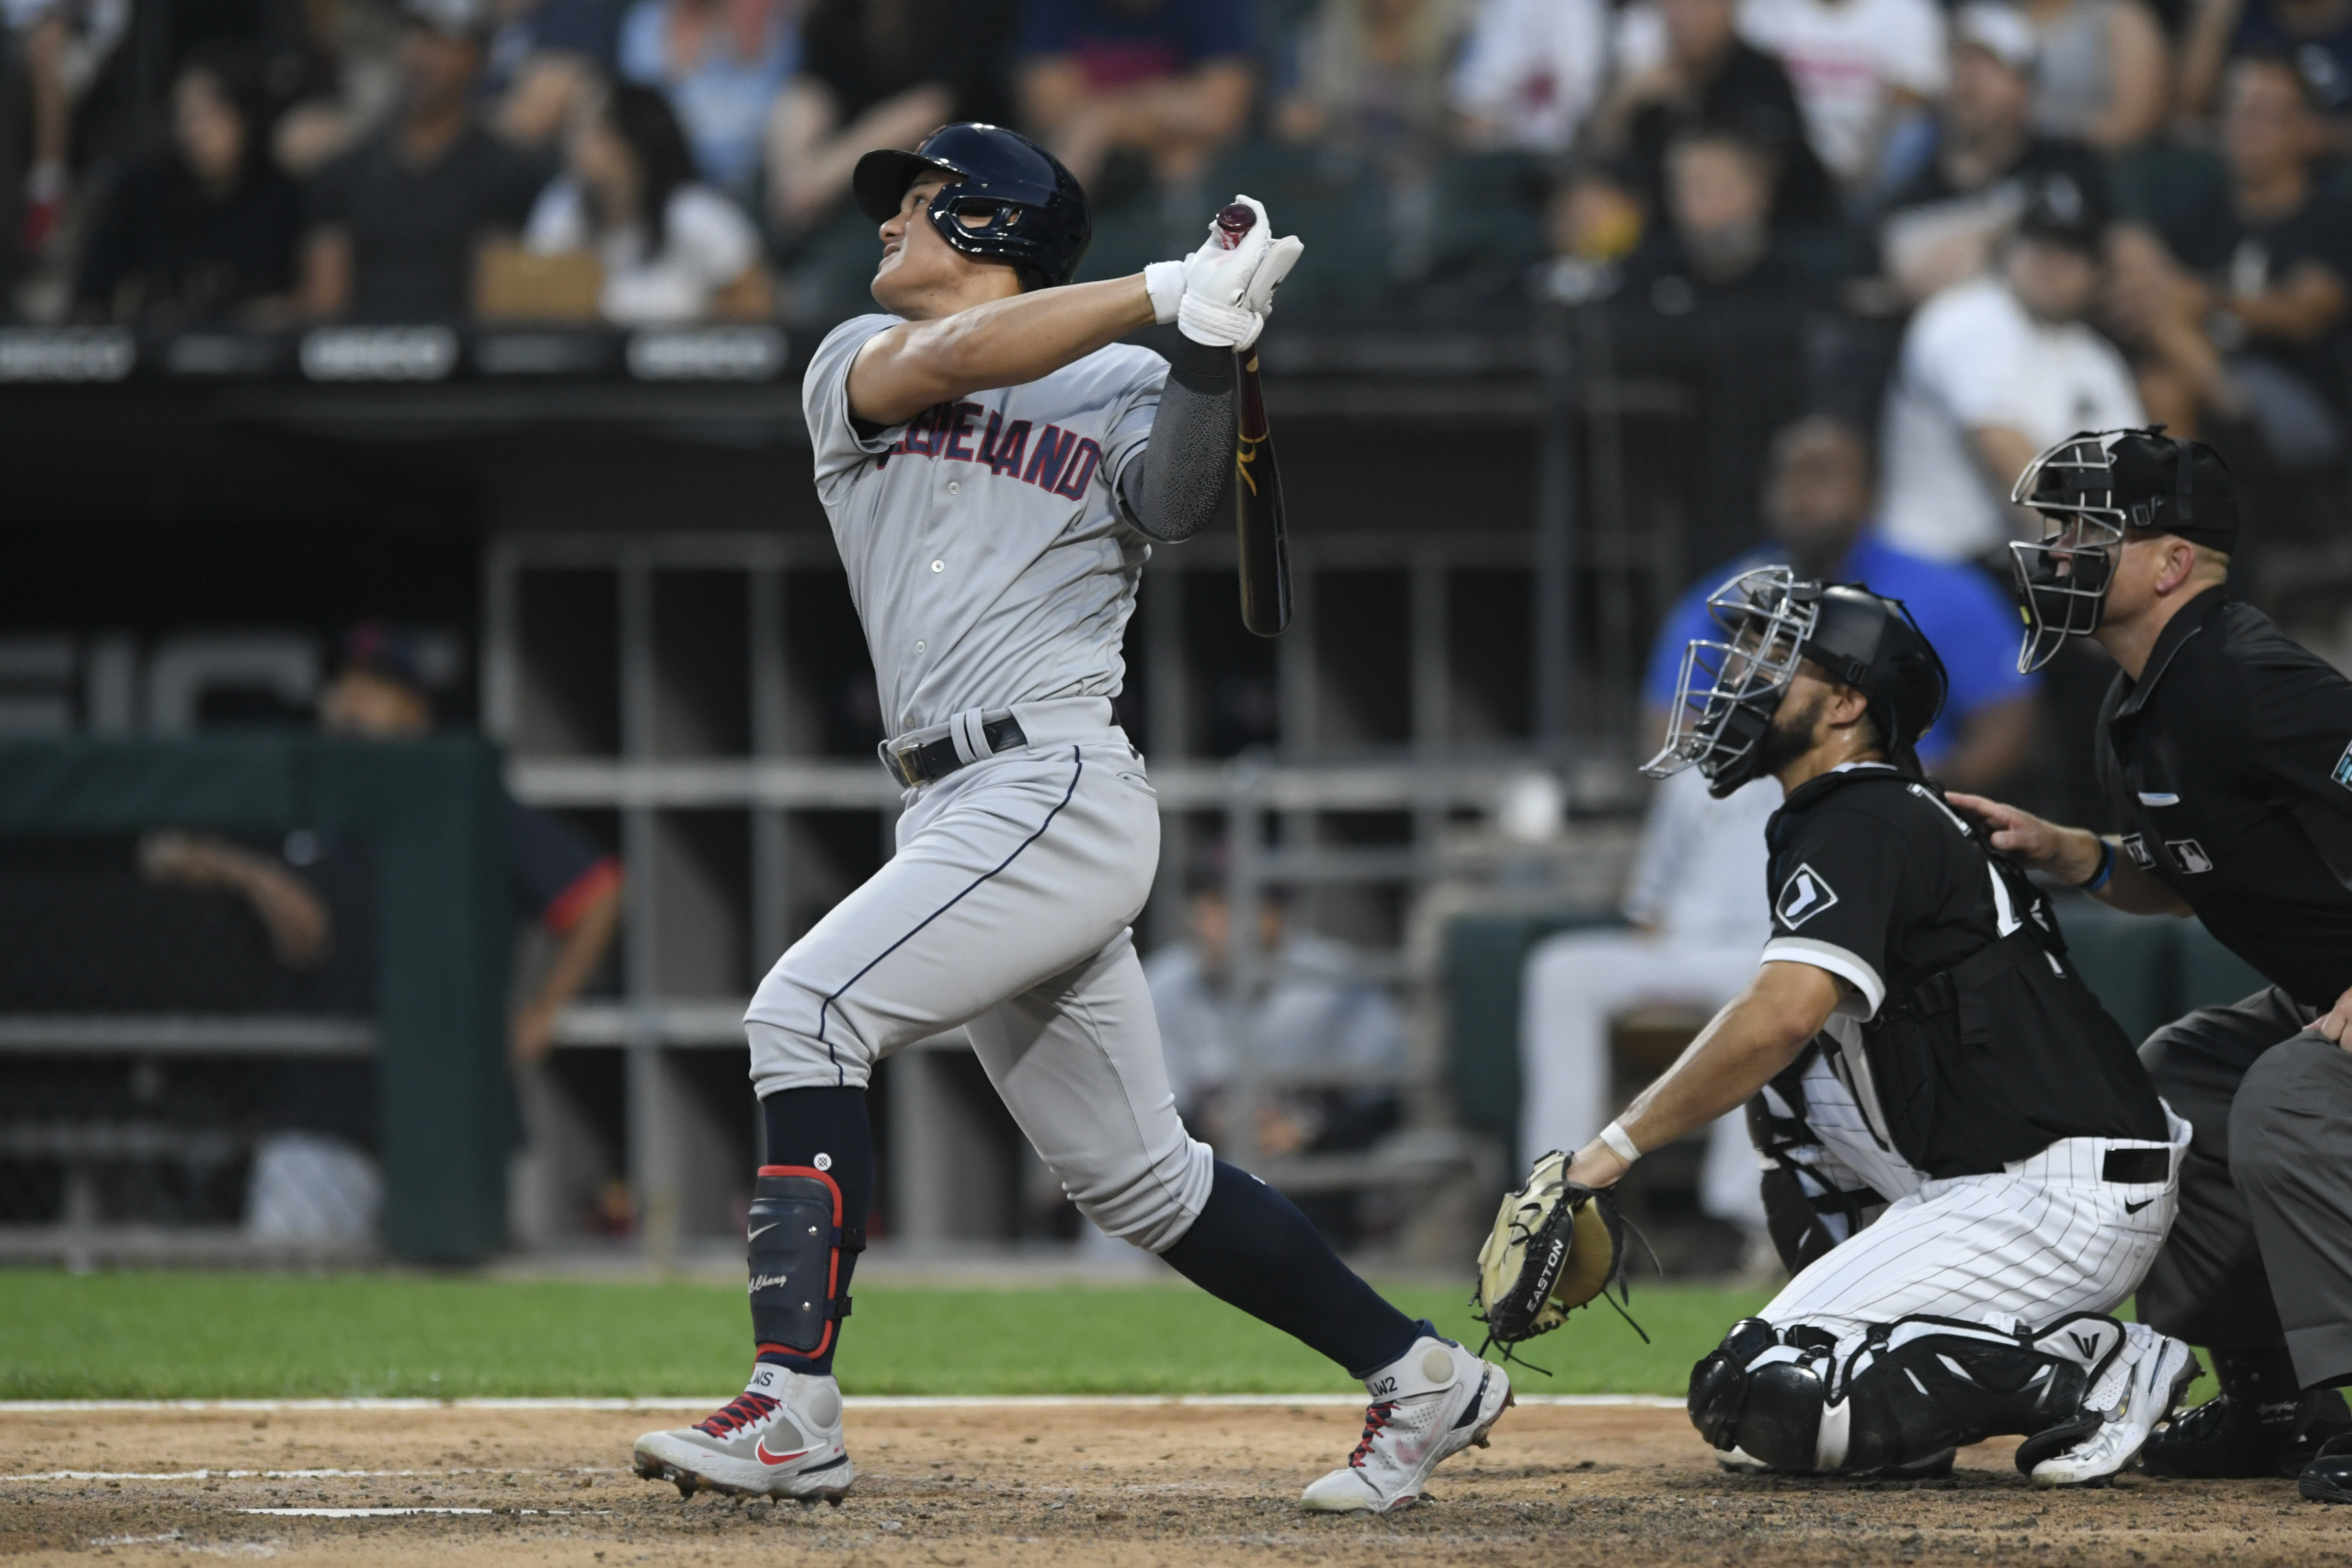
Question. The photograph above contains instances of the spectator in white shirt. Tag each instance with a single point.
(1861, 67)
(673, 249)
(1993, 371)
(1531, 72)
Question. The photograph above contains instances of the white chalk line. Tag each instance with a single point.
(397, 1512)
(855, 1402)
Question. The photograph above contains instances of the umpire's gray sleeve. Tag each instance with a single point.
(1171, 492)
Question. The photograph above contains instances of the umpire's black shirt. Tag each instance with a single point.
(2229, 766)
(1877, 880)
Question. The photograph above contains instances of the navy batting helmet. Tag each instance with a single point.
(1036, 213)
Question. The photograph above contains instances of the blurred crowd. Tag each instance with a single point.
(1966, 230)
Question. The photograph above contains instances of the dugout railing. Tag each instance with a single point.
(128, 1129)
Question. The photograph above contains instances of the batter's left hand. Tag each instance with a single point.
(2335, 1024)
(1597, 1165)
(1229, 282)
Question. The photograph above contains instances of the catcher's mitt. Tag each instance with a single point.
(1555, 1246)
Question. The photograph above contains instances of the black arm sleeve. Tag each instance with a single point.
(1173, 489)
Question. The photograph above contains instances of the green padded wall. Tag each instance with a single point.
(434, 812)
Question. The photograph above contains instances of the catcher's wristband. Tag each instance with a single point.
(1621, 1145)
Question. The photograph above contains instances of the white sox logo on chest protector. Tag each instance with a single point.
(1802, 897)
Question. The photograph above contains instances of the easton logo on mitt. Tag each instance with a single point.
(1555, 1246)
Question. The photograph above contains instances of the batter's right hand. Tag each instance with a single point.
(2070, 854)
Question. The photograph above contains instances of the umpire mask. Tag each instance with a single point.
(2092, 489)
(1731, 688)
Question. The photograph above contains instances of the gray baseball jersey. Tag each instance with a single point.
(987, 557)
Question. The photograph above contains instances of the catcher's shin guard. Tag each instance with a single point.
(1908, 1390)
(797, 1238)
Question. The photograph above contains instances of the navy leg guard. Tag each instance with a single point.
(807, 1223)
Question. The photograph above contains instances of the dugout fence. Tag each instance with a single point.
(152, 1065)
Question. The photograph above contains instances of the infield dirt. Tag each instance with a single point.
(1007, 1486)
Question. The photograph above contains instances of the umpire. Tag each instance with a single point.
(2225, 752)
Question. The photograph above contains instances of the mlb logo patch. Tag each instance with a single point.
(2343, 773)
(1803, 896)
(2188, 855)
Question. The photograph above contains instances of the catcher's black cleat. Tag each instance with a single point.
(2329, 1477)
(2222, 1439)
(1935, 1467)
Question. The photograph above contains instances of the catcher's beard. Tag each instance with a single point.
(1791, 734)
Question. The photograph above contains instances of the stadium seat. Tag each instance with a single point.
(1488, 214)
(2159, 183)
(829, 271)
(1128, 238)
(2211, 974)
(2128, 960)
(1484, 958)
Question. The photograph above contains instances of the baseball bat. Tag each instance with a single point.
(1258, 484)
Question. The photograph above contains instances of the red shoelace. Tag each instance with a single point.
(1376, 1419)
(744, 1409)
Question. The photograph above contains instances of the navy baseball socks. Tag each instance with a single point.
(1253, 1249)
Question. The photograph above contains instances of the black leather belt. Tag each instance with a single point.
(2136, 1167)
(912, 765)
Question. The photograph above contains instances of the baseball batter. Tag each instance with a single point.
(1917, 1017)
(996, 468)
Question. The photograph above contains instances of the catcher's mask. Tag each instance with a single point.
(2090, 489)
(1731, 688)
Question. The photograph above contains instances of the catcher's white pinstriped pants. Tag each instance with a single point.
(1005, 910)
(2039, 1240)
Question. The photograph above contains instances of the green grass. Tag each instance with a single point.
(198, 1335)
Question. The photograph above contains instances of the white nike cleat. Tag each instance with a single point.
(1435, 1400)
(2138, 1390)
(780, 1438)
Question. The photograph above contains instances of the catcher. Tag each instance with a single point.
(1916, 1010)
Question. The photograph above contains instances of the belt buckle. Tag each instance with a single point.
(899, 759)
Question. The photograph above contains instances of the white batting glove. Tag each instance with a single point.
(1280, 258)
(1217, 280)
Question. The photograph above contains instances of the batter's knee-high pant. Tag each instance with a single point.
(1005, 910)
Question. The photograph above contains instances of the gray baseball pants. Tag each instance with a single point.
(2262, 1252)
(1006, 911)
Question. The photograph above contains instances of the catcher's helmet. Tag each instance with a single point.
(1730, 690)
(2090, 489)
(1035, 212)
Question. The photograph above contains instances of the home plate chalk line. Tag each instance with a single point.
(855, 1402)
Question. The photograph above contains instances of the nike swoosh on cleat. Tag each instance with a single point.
(2134, 1208)
(761, 1448)
(1477, 1398)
